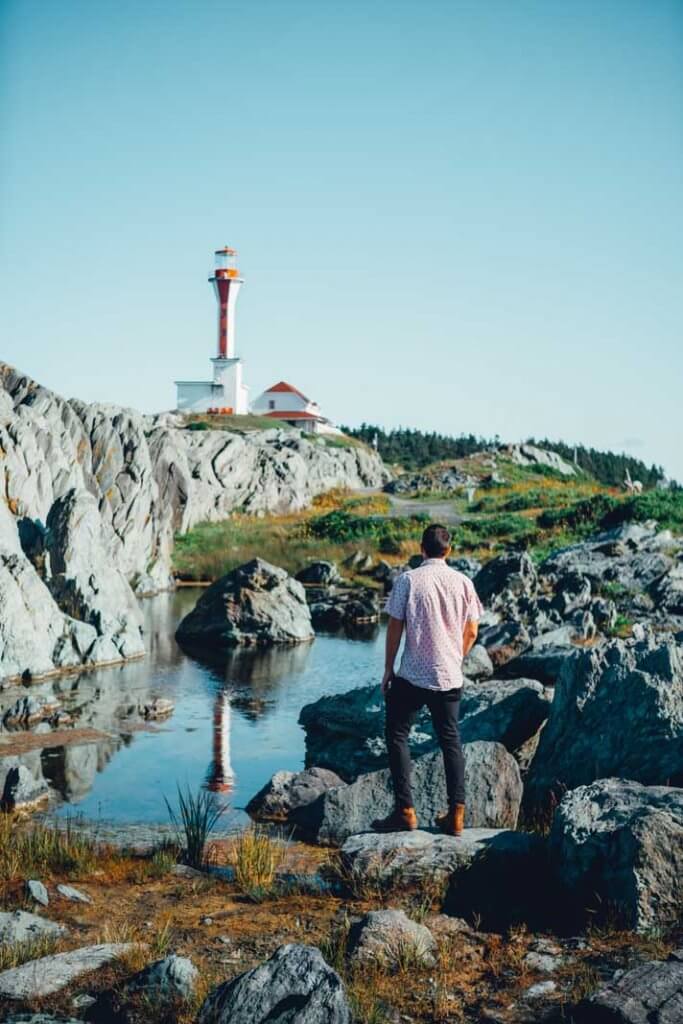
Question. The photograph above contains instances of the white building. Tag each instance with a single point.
(226, 393)
(284, 402)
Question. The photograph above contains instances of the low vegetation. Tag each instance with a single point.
(535, 508)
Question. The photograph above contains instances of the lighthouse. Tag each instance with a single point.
(226, 393)
(226, 283)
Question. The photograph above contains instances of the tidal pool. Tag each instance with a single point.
(233, 726)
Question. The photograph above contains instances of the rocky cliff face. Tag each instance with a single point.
(91, 498)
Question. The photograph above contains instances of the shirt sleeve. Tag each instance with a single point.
(473, 606)
(398, 598)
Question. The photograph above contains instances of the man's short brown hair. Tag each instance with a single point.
(436, 540)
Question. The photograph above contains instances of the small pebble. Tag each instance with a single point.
(69, 893)
(541, 989)
(83, 1001)
(206, 920)
(38, 892)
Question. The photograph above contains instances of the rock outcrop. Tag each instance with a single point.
(286, 792)
(650, 993)
(617, 710)
(104, 489)
(492, 779)
(390, 938)
(294, 985)
(617, 849)
(256, 605)
(345, 732)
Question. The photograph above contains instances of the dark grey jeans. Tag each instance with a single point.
(402, 704)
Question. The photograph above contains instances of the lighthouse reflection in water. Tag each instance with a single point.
(221, 777)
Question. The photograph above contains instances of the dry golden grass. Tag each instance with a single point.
(256, 857)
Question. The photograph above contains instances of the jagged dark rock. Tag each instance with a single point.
(287, 791)
(617, 850)
(650, 993)
(617, 711)
(295, 986)
(256, 605)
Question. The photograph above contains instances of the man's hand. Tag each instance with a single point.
(469, 637)
(393, 642)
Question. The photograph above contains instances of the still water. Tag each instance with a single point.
(233, 726)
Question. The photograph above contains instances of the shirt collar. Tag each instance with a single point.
(433, 561)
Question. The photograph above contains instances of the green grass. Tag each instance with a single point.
(336, 527)
(197, 816)
(38, 850)
(234, 424)
(666, 507)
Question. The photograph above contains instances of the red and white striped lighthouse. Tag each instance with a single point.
(227, 282)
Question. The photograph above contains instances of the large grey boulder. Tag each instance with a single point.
(545, 657)
(650, 993)
(617, 710)
(17, 926)
(288, 791)
(345, 732)
(492, 779)
(50, 974)
(389, 938)
(617, 848)
(412, 858)
(257, 604)
(511, 575)
(504, 641)
(295, 986)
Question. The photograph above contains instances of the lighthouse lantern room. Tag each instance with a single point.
(226, 393)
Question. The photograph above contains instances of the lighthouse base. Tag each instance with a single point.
(226, 393)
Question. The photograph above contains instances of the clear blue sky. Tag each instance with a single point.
(465, 216)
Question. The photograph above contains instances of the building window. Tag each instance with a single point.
(271, 403)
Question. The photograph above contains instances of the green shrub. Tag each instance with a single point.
(199, 425)
(666, 507)
(585, 514)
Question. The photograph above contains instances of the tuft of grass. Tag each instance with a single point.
(256, 858)
(16, 953)
(197, 816)
(35, 848)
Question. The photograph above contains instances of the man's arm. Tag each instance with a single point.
(469, 636)
(393, 642)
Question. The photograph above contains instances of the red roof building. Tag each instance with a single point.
(284, 402)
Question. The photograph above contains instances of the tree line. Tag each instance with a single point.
(414, 449)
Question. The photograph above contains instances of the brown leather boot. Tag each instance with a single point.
(452, 823)
(402, 819)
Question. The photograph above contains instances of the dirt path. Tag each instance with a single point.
(438, 510)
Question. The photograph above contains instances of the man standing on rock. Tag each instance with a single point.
(439, 610)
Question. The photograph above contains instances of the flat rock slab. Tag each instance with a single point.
(15, 743)
(649, 994)
(69, 893)
(413, 856)
(18, 926)
(49, 974)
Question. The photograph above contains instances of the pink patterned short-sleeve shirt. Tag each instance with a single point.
(435, 602)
